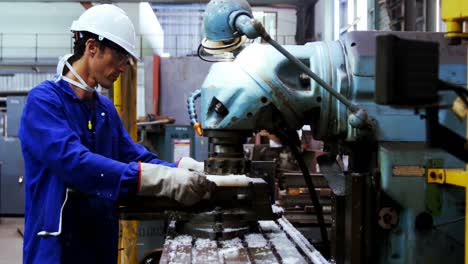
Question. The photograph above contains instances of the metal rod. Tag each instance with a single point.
(1, 46)
(352, 107)
(259, 29)
(36, 48)
(157, 122)
(450, 222)
(176, 48)
(306, 247)
(141, 46)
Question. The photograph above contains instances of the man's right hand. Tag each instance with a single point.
(182, 185)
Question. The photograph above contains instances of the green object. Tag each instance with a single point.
(433, 193)
(174, 142)
(433, 199)
(435, 163)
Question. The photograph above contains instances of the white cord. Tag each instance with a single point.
(57, 233)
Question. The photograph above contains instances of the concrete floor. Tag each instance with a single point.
(11, 241)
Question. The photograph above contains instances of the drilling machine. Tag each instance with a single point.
(349, 91)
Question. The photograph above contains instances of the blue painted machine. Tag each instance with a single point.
(384, 209)
(389, 211)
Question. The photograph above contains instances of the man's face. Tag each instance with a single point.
(108, 64)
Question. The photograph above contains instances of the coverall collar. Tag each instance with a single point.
(69, 91)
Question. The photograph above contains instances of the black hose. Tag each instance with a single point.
(202, 48)
(289, 139)
(462, 92)
(201, 56)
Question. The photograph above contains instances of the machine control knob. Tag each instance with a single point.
(20, 179)
(388, 217)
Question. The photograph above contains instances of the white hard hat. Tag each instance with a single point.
(110, 22)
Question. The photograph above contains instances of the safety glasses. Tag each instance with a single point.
(121, 57)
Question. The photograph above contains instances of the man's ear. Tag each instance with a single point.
(92, 46)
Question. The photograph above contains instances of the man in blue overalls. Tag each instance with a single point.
(79, 158)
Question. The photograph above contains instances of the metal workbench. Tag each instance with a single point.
(275, 242)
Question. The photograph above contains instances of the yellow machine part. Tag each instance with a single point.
(454, 14)
(456, 177)
(124, 98)
(117, 95)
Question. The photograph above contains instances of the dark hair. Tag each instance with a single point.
(79, 44)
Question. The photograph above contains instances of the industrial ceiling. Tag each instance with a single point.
(252, 2)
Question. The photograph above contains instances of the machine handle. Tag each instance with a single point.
(251, 25)
(193, 112)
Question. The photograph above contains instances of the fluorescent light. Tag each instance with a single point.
(362, 14)
(437, 18)
(350, 9)
(336, 19)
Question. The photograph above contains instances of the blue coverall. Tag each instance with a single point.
(69, 143)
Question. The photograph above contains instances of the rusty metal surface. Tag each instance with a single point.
(273, 242)
(408, 170)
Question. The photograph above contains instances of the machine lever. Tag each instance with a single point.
(355, 110)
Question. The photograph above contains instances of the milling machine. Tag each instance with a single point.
(384, 209)
(383, 195)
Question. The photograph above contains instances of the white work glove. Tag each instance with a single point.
(186, 187)
(191, 164)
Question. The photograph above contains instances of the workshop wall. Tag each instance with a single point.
(286, 19)
(27, 41)
(178, 79)
(20, 82)
(182, 26)
(324, 20)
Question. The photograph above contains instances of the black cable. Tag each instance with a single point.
(227, 46)
(443, 85)
(462, 92)
(202, 57)
(289, 139)
(202, 47)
